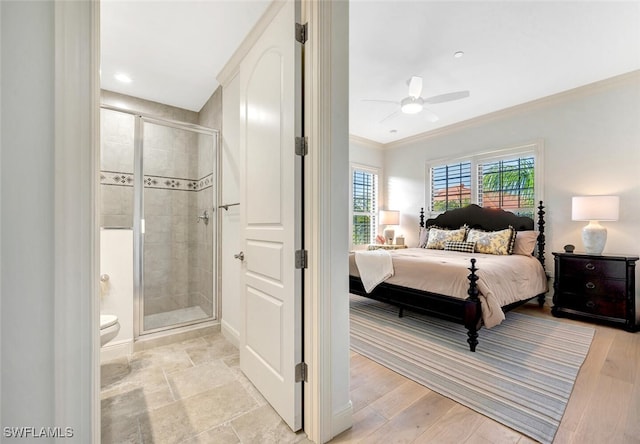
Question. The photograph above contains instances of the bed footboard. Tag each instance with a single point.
(461, 311)
(475, 321)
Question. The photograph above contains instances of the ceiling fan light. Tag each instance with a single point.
(411, 105)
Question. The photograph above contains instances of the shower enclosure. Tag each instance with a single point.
(158, 177)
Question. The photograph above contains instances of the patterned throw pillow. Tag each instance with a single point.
(463, 247)
(438, 236)
(493, 242)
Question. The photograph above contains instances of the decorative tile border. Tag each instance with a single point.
(115, 178)
(170, 183)
(205, 182)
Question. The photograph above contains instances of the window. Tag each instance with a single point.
(508, 184)
(450, 186)
(506, 179)
(364, 206)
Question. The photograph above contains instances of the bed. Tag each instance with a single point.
(425, 291)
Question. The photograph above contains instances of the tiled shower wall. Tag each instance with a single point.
(178, 186)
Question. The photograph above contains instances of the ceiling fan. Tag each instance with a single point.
(414, 103)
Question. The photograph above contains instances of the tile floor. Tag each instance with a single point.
(187, 392)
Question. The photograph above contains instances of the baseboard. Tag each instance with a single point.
(342, 420)
(231, 334)
(116, 350)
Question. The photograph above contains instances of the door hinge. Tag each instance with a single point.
(301, 372)
(302, 146)
(301, 33)
(301, 259)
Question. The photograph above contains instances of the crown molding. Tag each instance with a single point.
(364, 141)
(581, 91)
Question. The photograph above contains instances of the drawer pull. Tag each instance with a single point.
(590, 285)
(590, 304)
(590, 266)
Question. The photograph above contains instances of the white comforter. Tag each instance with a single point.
(501, 279)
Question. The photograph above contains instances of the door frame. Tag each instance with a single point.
(328, 409)
(77, 88)
(76, 331)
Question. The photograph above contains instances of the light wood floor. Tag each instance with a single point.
(604, 406)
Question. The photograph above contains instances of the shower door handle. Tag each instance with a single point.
(239, 256)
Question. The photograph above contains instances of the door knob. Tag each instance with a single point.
(239, 256)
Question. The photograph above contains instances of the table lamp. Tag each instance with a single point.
(389, 218)
(594, 209)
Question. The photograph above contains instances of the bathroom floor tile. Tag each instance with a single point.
(188, 392)
(194, 380)
(187, 418)
(264, 425)
(223, 434)
(216, 347)
(232, 361)
(131, 403)
(168, 358)
(125, 431)
(138, 377)
(114, 371)
(249, 387)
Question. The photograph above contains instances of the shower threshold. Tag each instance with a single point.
(174, 317)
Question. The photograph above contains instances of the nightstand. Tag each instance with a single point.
(385, 247)
(598, 287)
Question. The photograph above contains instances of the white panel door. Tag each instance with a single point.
(271, 295)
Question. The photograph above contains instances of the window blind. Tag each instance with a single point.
(450, 186)
(365, 206)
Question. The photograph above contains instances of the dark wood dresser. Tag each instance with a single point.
(598, 287)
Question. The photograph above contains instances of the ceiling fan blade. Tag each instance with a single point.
(448, 97)
(381, 101)
(415, 86)
(393, 114)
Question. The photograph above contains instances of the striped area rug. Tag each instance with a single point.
(521, 375)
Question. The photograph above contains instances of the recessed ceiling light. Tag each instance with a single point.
(458, 54)
(393, 131)
(122, 77)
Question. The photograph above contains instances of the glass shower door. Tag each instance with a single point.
(177, 226)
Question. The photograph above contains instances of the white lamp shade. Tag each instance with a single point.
(389, 217)
(600, 208)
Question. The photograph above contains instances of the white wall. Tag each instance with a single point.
(366, 152)
(591, 141)
(230, 219)
(48, 312)
(116, 295)
(26, 202)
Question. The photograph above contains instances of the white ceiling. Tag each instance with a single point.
(515, 52)
(173, 49)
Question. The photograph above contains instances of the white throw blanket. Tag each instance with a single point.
(374, 267)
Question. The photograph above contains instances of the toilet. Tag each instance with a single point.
(109, 328)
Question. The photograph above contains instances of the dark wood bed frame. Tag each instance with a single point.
(462, 311)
